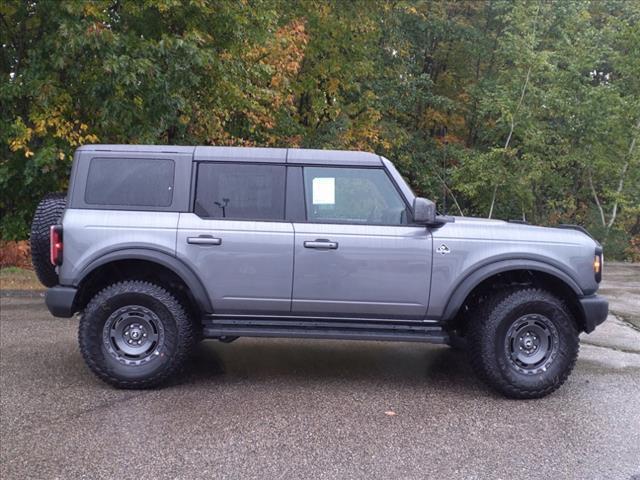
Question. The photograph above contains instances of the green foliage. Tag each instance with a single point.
(495, 108)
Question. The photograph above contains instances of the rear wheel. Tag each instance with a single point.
(523, 343)
(48, 213)
(135, 334)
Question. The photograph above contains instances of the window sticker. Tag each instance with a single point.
(324, 191)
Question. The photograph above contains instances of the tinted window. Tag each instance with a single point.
(352, 195)
(143, 182)
(240, 191)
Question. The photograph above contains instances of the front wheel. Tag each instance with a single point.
(523, 343)
(135, 334)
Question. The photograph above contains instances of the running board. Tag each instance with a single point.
(387, 330)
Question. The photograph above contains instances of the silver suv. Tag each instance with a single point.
(158, 247)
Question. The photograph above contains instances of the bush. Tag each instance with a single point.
(633, 250)
(15, 254)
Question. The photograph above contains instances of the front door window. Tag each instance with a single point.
(352, 195)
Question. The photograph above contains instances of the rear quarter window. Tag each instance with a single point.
(135, 182)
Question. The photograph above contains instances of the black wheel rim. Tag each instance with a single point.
(531, 344)
(133, 335)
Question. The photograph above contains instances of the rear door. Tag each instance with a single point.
(357, 254)
(236, 238)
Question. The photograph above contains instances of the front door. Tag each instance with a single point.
(357, 255)
(237, 240)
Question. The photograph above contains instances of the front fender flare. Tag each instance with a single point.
(473, 279)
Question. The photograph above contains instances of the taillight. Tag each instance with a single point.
(55, 239)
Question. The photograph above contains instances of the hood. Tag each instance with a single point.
(498, 230)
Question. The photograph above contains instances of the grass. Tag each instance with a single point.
(14, 278)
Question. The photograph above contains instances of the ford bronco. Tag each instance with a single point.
(158, 247)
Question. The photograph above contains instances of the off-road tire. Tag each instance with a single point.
(48, 212)
(489, 334)
(179, 335)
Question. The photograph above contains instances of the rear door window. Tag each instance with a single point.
(240, 191)
(135, 182)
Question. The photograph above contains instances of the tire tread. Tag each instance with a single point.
(482, 339)
(48, 212)
(183, 343)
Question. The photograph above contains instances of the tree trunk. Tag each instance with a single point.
(453, 197)
(517, 109)
(625, 167)
(493, 201)
(595, 197)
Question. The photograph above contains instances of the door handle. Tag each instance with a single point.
(321, 244)
(204, 240)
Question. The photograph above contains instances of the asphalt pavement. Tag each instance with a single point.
(267, 409)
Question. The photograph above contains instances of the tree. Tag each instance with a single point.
(493, 108)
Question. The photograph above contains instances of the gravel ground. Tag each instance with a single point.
(316, 409)
(621, 284)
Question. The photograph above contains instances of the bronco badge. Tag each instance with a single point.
(443, 249)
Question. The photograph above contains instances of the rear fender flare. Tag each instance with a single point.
(170, 262)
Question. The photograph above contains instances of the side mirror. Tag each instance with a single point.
(424, 211)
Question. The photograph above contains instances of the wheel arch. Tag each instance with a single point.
(153, 259)
(525, 271)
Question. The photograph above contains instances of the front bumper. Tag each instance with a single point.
(595, 310)
(60, 301)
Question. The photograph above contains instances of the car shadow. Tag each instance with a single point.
(308, 361)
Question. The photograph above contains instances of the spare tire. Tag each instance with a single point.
(48, 212)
